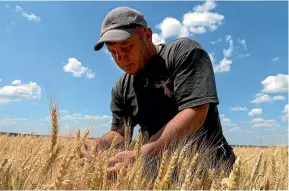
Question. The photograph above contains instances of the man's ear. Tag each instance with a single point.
(148, 34)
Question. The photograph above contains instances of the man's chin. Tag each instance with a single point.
(131, 72)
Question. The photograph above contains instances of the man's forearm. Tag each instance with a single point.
(108, 137)
(187, 121)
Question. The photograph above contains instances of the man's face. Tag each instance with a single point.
(129, 55)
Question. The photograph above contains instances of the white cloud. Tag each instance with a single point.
(158, 39)
(239, 109)
(228, 52)
(215, 42)
(285, 117)
(77, 116)
(261, 98)
(63, 111)
(235, 129)
(207, 6)
(243, 55)
(198, 30)
(11, 121)
(194, 22)
(170, 27)
(223, 66)
(278, 98)
(16, 82)
(275, 59)
(29, 16)
(19, 92)
(89, 117)
(90, 74)
(228, 38)
(275, 84)
(255, 111)
(18, 8)
(75, 67)
(260, 122)
(227, 124)
(243, 43)
(224, 120)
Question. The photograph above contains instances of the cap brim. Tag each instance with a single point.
(114, 35)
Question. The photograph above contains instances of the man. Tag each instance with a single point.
(169, 89)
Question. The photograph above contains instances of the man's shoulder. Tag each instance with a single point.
(120, 84)
(175, 52)
(182, 44)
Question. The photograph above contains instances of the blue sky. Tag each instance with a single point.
(47, 49)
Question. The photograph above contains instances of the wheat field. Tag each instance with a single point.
(53, 162)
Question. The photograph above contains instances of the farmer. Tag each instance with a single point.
(169, 90)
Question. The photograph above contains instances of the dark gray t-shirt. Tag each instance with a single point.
(180, 76)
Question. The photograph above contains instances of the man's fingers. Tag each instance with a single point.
(113, 160)
(116, 167)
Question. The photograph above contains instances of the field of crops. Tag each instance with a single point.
(53, 162)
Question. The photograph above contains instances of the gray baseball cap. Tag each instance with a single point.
(119, 24)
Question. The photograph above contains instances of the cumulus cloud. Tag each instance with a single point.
(227, 124)
(261, 98)
(170, 27)
(158, 39)
(16, 82)
(207, 6)
(275, 84)
(255, 111)
(239, 108)
(224, 120)
(19, 92)
(223, 66)
(75, 67)
(28, 15)
(260, 122)
(228, 52)
(194, 22)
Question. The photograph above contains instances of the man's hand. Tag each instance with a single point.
(119, 160)
(89, 147)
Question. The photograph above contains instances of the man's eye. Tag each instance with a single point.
(127, 48)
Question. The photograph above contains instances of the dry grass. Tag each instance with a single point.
(52, 162)
(27, 163)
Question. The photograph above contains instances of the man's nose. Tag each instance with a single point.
(119, 55)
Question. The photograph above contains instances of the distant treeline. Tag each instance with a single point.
(32, 134)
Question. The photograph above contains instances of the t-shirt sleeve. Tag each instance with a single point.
(121, 114)
(117, 109)
(194, 80)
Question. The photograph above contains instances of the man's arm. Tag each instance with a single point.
(109, 136)
(187, 121)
